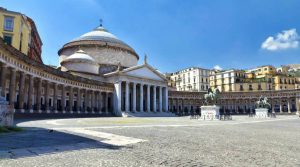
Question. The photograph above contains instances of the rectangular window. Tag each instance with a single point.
(7, 39)
(8, 23)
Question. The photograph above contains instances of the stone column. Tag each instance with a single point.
(297, 103)
(12, 87)
(289, 105)
(55, 98)
(47, 89)
(30, 93)
(148, 98)
(160, 99)
(71, 99)
(177, 105)
(93, 102)
(63, 98)
(78, 101)
(100, 102)
(141, 97)
(154, 98)
(273, 106)
(280, 105)
(3, 80)
(85, 101)
(96, 101)
(21, 91)
(127, 96)
(38, 96)
(106, 102)
(118, 108)
(134, 97)
(166, 99)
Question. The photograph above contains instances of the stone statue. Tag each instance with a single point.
(262, 103)
(212, 96)
(145, 59)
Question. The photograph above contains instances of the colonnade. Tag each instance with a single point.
(141, 97)
(29, 93)
(235, 106)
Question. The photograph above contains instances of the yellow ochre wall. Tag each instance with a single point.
(20, 25)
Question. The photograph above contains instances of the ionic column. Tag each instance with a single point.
(127, 96)
(160, 99)
(47, 89)
(3, 80)
(21, 91)
(134, 97)
(30, 93)
(63, 98)
(55, 97)
(154, 98)
(141, 97)
(12, 87)
(78, 100)
(166, 99)
(148, 98)
(118, 88)
(71, 100)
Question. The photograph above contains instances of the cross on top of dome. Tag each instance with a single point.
(101, 21)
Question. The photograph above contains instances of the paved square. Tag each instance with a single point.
(154, 142)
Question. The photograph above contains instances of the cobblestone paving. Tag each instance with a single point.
(242, 142)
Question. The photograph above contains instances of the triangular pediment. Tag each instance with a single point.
(144, 72)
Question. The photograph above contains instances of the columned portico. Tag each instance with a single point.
(134, 96)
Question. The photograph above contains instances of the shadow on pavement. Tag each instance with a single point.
(34, 141)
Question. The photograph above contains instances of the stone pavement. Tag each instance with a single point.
(165, 142)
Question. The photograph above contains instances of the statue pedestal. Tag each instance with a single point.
(210, 112)
(6, 113)
(261, 112)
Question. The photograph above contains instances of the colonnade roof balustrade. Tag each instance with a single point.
(22, 58)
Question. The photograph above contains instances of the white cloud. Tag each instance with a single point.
(285, 40)
(217, 67)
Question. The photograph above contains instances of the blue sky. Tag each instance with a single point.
(176, 34)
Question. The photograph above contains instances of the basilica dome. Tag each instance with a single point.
(80, 62)
(104, 47)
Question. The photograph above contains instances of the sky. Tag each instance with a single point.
(176, 34)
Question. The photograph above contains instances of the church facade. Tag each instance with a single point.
(99, 74)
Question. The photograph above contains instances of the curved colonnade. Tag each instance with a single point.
(36, 88)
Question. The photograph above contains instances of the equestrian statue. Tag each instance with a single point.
(263, 103)
(212, 96)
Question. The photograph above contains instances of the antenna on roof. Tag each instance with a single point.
(101, 22)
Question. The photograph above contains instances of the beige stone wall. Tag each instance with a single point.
(104, 55)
